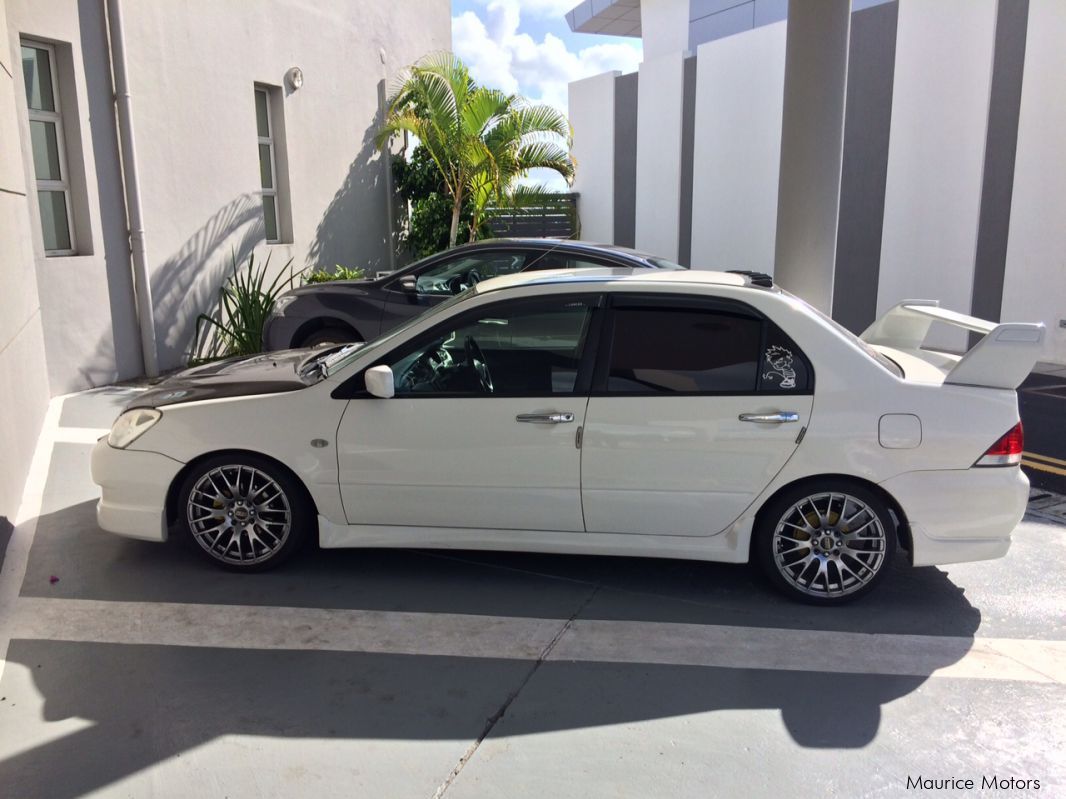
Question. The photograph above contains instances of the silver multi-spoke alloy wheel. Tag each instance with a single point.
(239, 514)
(829, 545)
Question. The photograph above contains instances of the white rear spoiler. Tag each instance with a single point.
(1002, 359)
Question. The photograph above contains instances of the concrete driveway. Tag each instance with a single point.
(137, 669)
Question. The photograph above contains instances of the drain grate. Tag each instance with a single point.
(1047, 505)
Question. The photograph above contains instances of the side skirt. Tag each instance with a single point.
(729, 547)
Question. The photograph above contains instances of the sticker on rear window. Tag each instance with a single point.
(779, 360)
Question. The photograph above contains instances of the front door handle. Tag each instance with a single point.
(556, 417)
(770, 418)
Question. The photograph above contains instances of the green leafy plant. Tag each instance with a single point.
(245, 300)
(480, 140)
(339, 273)
(429, 210)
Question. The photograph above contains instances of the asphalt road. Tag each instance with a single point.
(1042, 403)
(136, 669)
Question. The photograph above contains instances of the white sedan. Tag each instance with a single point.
(701, 415)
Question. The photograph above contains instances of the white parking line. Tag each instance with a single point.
(17, 553)
(504, 637)
(79, 435)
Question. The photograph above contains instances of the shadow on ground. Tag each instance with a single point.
(149, 703)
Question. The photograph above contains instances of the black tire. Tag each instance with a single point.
(252, 512)
(825, 523)
(328, 336)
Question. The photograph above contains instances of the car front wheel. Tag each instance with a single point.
(245, 513)
(825, 544)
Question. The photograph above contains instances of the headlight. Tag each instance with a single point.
(132, 425)
(281, 303)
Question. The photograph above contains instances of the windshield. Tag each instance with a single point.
(341, 359)
(662, 263)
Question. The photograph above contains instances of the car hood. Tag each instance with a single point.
(269, 373)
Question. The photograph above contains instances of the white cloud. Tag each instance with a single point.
(499, 56)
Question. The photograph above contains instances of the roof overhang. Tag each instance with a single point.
(609, 17)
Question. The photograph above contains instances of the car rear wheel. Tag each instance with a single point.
(245, 513)
(826, 543)
(330, 336)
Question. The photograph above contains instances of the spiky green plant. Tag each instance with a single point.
(245, 300)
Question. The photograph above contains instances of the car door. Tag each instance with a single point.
(482, 430)
(442, 279)
(696, 405)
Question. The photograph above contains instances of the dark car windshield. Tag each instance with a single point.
(376, 344)
(662, 263)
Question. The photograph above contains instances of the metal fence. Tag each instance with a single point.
(556, 217)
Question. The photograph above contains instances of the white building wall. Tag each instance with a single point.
(337, 178)
(664, 26)
(1035, 279)
(23, 373)
(192, 67)
(737, 150)
(592, 111)
(87, 308)
(659, 105)
(936, 154)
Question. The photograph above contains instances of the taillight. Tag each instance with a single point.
(1007, 451)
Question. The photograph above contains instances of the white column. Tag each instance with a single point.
(592, 117)
(936, 154)
(812, 147)
(737, 150)
(660, 95)
(1033, 287)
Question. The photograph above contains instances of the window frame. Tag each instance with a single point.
(55, 117)
(268, 140)
(615, 300)
(355, 386)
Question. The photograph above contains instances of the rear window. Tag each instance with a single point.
(882, 359)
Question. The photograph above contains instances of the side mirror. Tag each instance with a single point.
(380, 382)
(409, 283)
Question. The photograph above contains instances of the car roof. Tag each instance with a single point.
(609, 275)
(544, 242)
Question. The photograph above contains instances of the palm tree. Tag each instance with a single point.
(481, 140)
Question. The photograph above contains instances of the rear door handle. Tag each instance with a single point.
(770, 418)
(556, 417)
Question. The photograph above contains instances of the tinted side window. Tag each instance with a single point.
(523, 348)
(562, 260)
(683, 350)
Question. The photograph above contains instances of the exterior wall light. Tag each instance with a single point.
(294, 78)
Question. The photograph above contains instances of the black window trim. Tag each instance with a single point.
(653, 300)
(354, 388)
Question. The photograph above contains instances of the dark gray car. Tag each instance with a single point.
(359, 310)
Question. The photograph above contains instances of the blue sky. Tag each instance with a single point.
(526, 46)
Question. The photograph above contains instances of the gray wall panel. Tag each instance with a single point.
(865, 168)
(688, 134)
(1000, 149)
(625, 159)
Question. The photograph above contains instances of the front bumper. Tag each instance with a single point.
(961, 515)
(133, 490)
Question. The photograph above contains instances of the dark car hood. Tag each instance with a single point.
(269, 373)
